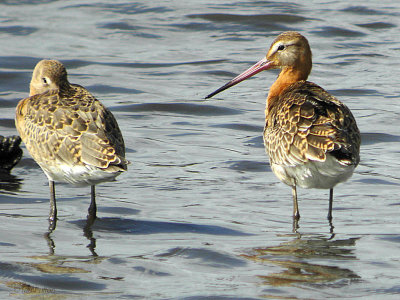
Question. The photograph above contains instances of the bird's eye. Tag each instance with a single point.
(44, 80)
(281, 47)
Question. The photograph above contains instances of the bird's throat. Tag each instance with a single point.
(286, 77)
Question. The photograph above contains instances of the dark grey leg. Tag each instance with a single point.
(330, 204)
(53, 207)
(91, 217)
(92, 208)
(296, 213)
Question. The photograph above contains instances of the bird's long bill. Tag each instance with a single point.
(262, 65)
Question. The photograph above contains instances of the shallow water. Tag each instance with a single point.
(200, 215)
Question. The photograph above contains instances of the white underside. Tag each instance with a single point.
(314, 174)
(79, 175)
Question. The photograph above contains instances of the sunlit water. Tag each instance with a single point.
(199, 214)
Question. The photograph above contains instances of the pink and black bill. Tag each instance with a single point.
(262, 65)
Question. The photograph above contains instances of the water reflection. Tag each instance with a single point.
(87, 232)
(296, 226)
(9, 182)
(144, 227)
(47, 273)
(295, 258)
(27, 289)
(138, 227)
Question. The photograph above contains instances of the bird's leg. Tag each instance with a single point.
(331, 227)
(92, 211)
(330, 205)
(295, 225)
(296, 213)
(53, 207)
(87, 230)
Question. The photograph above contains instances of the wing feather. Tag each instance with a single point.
(64, 128)
(309, 124)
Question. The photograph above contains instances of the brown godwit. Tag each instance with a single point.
(69, 133)
(311, 138)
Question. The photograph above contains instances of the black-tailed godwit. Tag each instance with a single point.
(311, 138)
(69, 133)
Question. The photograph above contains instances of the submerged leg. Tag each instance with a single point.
(92, 208)
(296, 213)
(53, 207)
(330, 204)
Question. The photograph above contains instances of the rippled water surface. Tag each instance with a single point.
(199, 214)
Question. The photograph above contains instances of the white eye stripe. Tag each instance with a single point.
(281, 46)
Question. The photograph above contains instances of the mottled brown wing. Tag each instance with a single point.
(34, 123)
(102, 142)
(72, 127)
(308, 124)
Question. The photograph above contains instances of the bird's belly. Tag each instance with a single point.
(79, 175)
(314, 174)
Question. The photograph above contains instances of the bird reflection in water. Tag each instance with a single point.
(296, 227)
(294, 258)
(9, 183)
(87, 232)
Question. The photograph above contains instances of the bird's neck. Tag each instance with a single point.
(287, 76)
